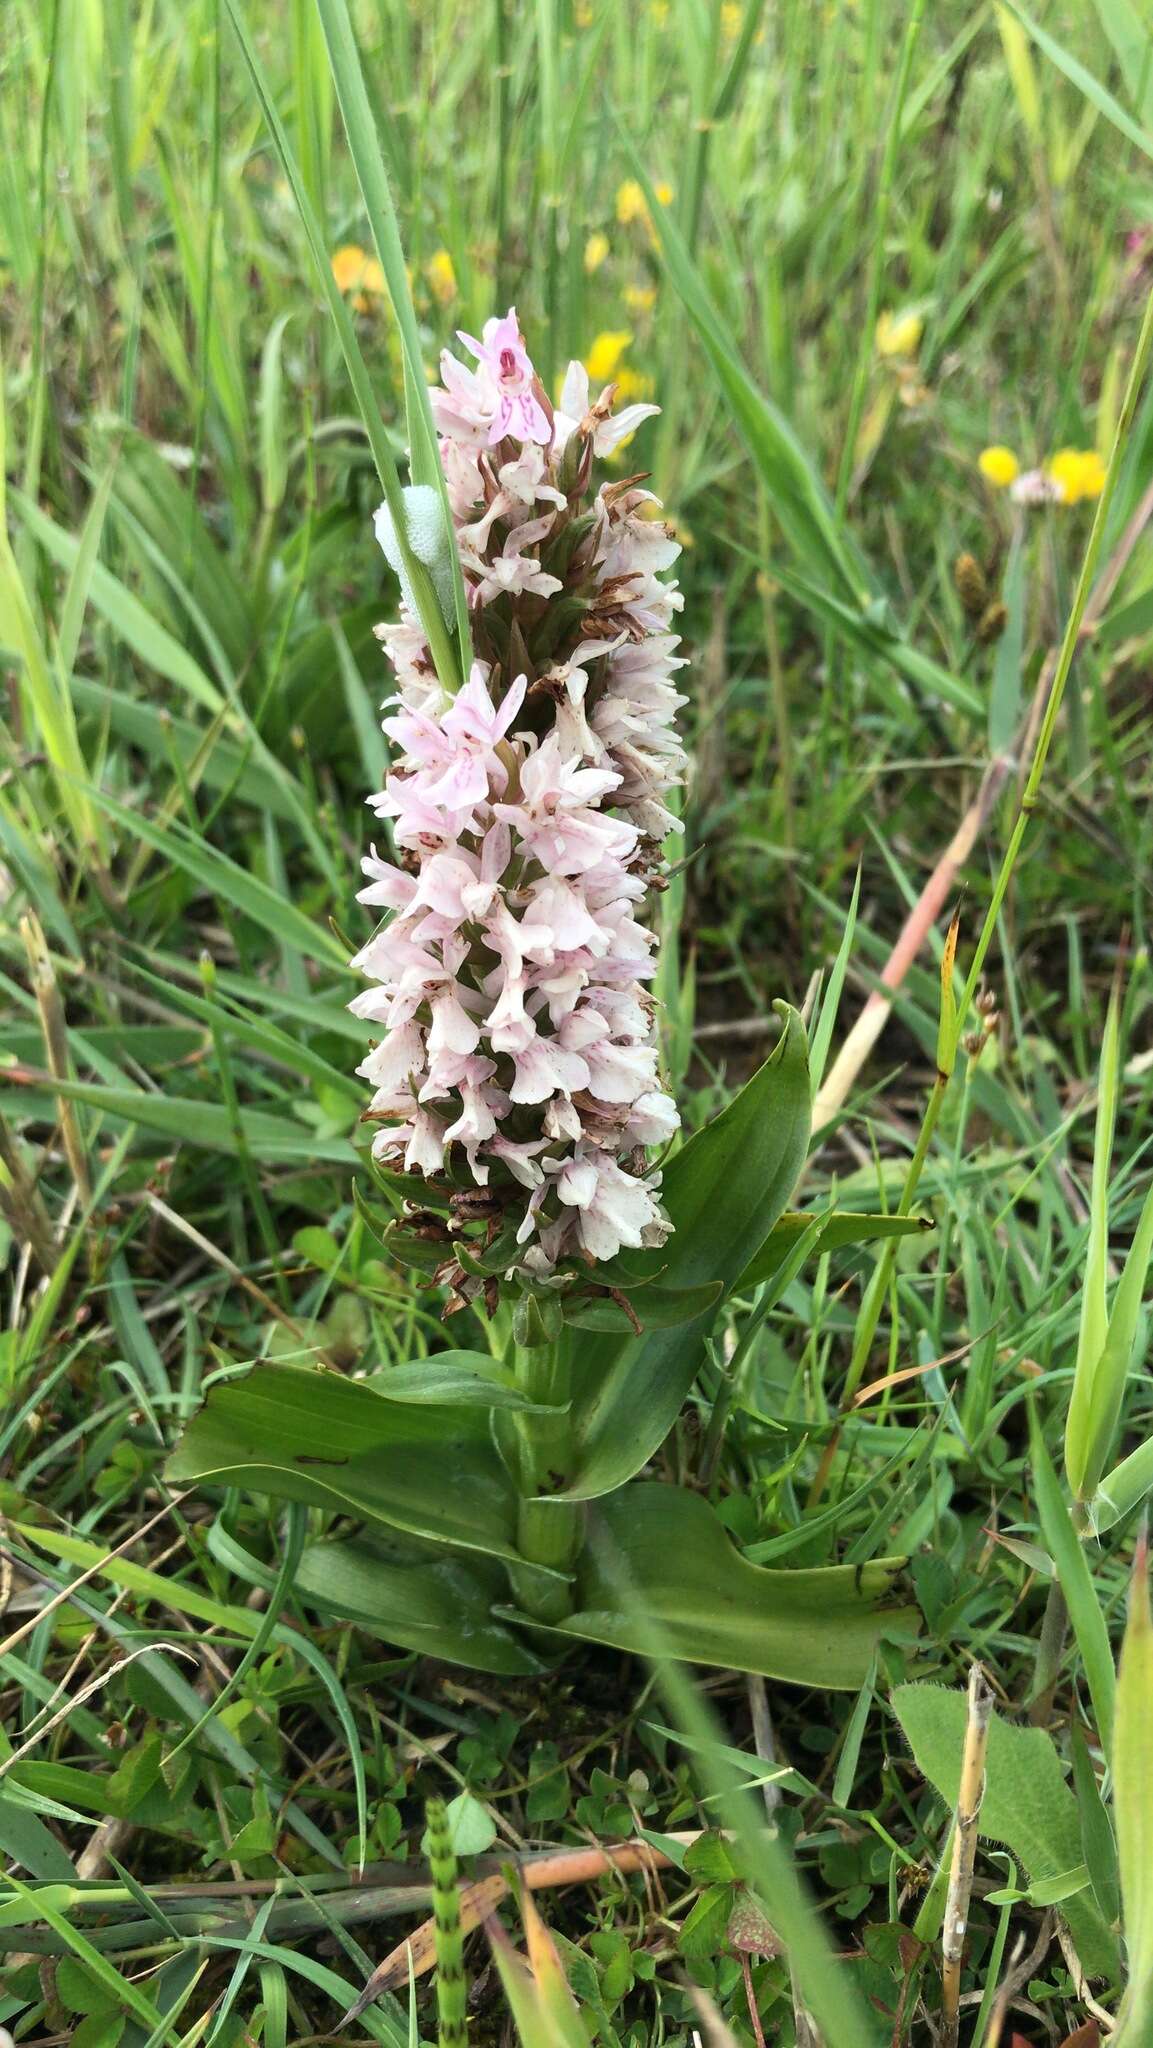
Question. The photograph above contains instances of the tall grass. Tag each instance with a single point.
(198, 422)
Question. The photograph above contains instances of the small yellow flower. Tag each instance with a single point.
(441, 277)
(596, 249)
(632, 205)
(640, 298)
(605, 353)
(660, 12)
(359, 274)
(1078, 473)
(999, 466)
(899, 334)
(630, 202)
(731, 17)
(583, 13)
(348, 267)
(633, 384)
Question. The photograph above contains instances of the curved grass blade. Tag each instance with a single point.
(435, 632)
(364, 145)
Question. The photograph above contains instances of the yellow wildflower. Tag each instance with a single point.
(731, 17)
(633, 384)
(640, 298)
(1078, 473)
(358, 273)
(660, 12)
(632, 204)
(348, 267)
(596, 249)
(441, 277)
(899, 334)
(999, 466)
(605, 353)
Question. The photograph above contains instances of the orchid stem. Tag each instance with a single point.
(548, 1531)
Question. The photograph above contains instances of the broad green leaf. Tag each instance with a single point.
(1133, 1803)
(655, 1307)
(441, 1607)
(471, 1828)
(29, 1844)
(316, 1437)
(843, 1227)
(1027, 1804)
(724, 1191)
(658, 1555)
(470, 1379)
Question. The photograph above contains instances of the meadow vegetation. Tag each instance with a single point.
(888, 272)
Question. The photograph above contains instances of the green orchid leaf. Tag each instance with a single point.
(724, 1191)
(659, 1308)
(315, 1437)
(659, 1565)
(440, 1607)
(1027, 1803)
(468, 1379)
(843, 1227)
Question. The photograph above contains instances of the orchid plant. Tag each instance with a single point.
(525, 1155)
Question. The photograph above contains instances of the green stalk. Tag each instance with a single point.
(451, 1988)
(548, 1531)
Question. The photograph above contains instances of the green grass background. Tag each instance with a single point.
(188, 587)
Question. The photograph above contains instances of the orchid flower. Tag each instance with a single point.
(510, 977)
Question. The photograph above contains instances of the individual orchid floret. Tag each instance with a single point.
(502, 395)
(517, 1074)
(607, 429)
